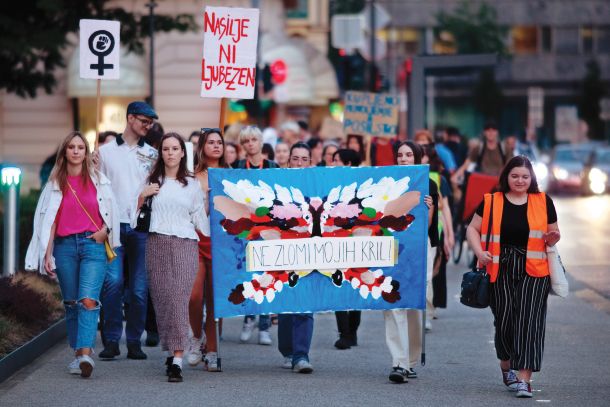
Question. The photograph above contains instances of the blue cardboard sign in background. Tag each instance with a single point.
(317, 203)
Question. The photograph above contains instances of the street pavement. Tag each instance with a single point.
(461, 368)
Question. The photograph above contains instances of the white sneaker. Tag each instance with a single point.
(86, 365)
(211, 361)
(302, 366)
(428, 325)
(194, 351)
(264, 338)
(246, 330)
(74, 367)
(287, 362)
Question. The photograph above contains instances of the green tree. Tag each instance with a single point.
(34, 34)
(591, 92)
(476, 31)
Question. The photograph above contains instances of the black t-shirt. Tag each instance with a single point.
(244, 165)
(433, 228)
(514, 229)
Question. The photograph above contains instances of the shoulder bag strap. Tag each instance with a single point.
(82, 206)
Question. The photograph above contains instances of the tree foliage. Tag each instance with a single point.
(591, 93)
(474, 31)
(34, 34)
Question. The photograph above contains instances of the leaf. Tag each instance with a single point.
(369, 212)
(261, 211)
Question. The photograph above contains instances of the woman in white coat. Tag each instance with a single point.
(76, 213)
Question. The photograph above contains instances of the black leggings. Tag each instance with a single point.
(518, 303)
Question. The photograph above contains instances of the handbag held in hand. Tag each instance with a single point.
(559, 283)
(143, 220)
(475, 283)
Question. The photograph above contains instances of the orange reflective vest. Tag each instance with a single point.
(536, 264)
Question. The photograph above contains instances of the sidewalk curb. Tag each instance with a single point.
(25, 354)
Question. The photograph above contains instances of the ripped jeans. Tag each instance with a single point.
(81, 268)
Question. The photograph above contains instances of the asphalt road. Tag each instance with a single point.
(461, 367)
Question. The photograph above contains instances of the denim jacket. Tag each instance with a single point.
(46, 211)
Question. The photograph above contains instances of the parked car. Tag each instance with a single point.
(540, 168)
(567, 167)
(596, 175)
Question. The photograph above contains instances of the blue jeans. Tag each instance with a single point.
(133, 245)
(81, 267)
(264, 321)
(294, 336)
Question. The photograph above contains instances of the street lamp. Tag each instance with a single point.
(11, 178)
(151, 31)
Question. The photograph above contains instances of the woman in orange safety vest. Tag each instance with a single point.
(523, 222)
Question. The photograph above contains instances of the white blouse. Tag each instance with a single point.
(178, 210)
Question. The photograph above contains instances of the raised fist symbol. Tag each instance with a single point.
(102, 43)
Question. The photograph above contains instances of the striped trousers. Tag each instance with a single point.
(518, 303)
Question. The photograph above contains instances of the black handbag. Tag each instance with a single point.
(475, 283)
(143, 220)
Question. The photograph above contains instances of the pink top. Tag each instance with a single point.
(71, 218)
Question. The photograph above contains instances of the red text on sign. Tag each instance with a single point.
(235, 28)
(227, 76)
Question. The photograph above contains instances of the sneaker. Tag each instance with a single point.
(86, 365)
(510, 379)
(246, 330)
(343, 343)
(74, 366)
(524, 389)
(211, 362)
(302, 366)
(134, 351)
(264, 338)
(194, 351)
(428, 325)
(175, 374)
(287, 362)
(411, 373)
(399, 375)
(111, 349)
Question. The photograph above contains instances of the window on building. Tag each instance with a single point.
(566, 40)
(444, 43)
(298, 9)
(603, 40)
(524, 39)
(586, 39)
(546, 38)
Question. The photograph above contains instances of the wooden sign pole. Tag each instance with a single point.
(221, 119)
(97, 115)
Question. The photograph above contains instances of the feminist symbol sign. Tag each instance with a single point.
(99, 53)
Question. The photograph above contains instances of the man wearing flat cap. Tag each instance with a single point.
(127, 162)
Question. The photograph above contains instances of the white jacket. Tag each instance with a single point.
(46, 211)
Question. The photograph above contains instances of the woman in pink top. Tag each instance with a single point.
(75, 215)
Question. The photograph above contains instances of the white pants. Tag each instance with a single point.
(429, 292)
(403, 328)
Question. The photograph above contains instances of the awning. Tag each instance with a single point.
(133, 82)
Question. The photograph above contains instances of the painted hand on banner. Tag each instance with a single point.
(262, 212)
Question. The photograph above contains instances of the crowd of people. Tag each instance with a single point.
(161, 279)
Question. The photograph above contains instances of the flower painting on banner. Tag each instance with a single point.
(318, 239)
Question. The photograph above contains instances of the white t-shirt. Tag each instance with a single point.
(178, 210)
(127, 167)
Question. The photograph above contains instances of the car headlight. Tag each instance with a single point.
(541, 171)
(597, 175)
(560, 173)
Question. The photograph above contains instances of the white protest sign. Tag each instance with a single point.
(371, 114)
(228, 67)
(100, 44)
(326, 253)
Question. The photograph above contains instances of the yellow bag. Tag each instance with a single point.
(110, 253)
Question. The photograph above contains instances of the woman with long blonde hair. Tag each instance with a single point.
(75, 215)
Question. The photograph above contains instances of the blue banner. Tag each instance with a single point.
(318, 239)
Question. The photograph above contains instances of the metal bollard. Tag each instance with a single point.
(11, 177)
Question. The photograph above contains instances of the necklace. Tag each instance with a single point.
(260, 166)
